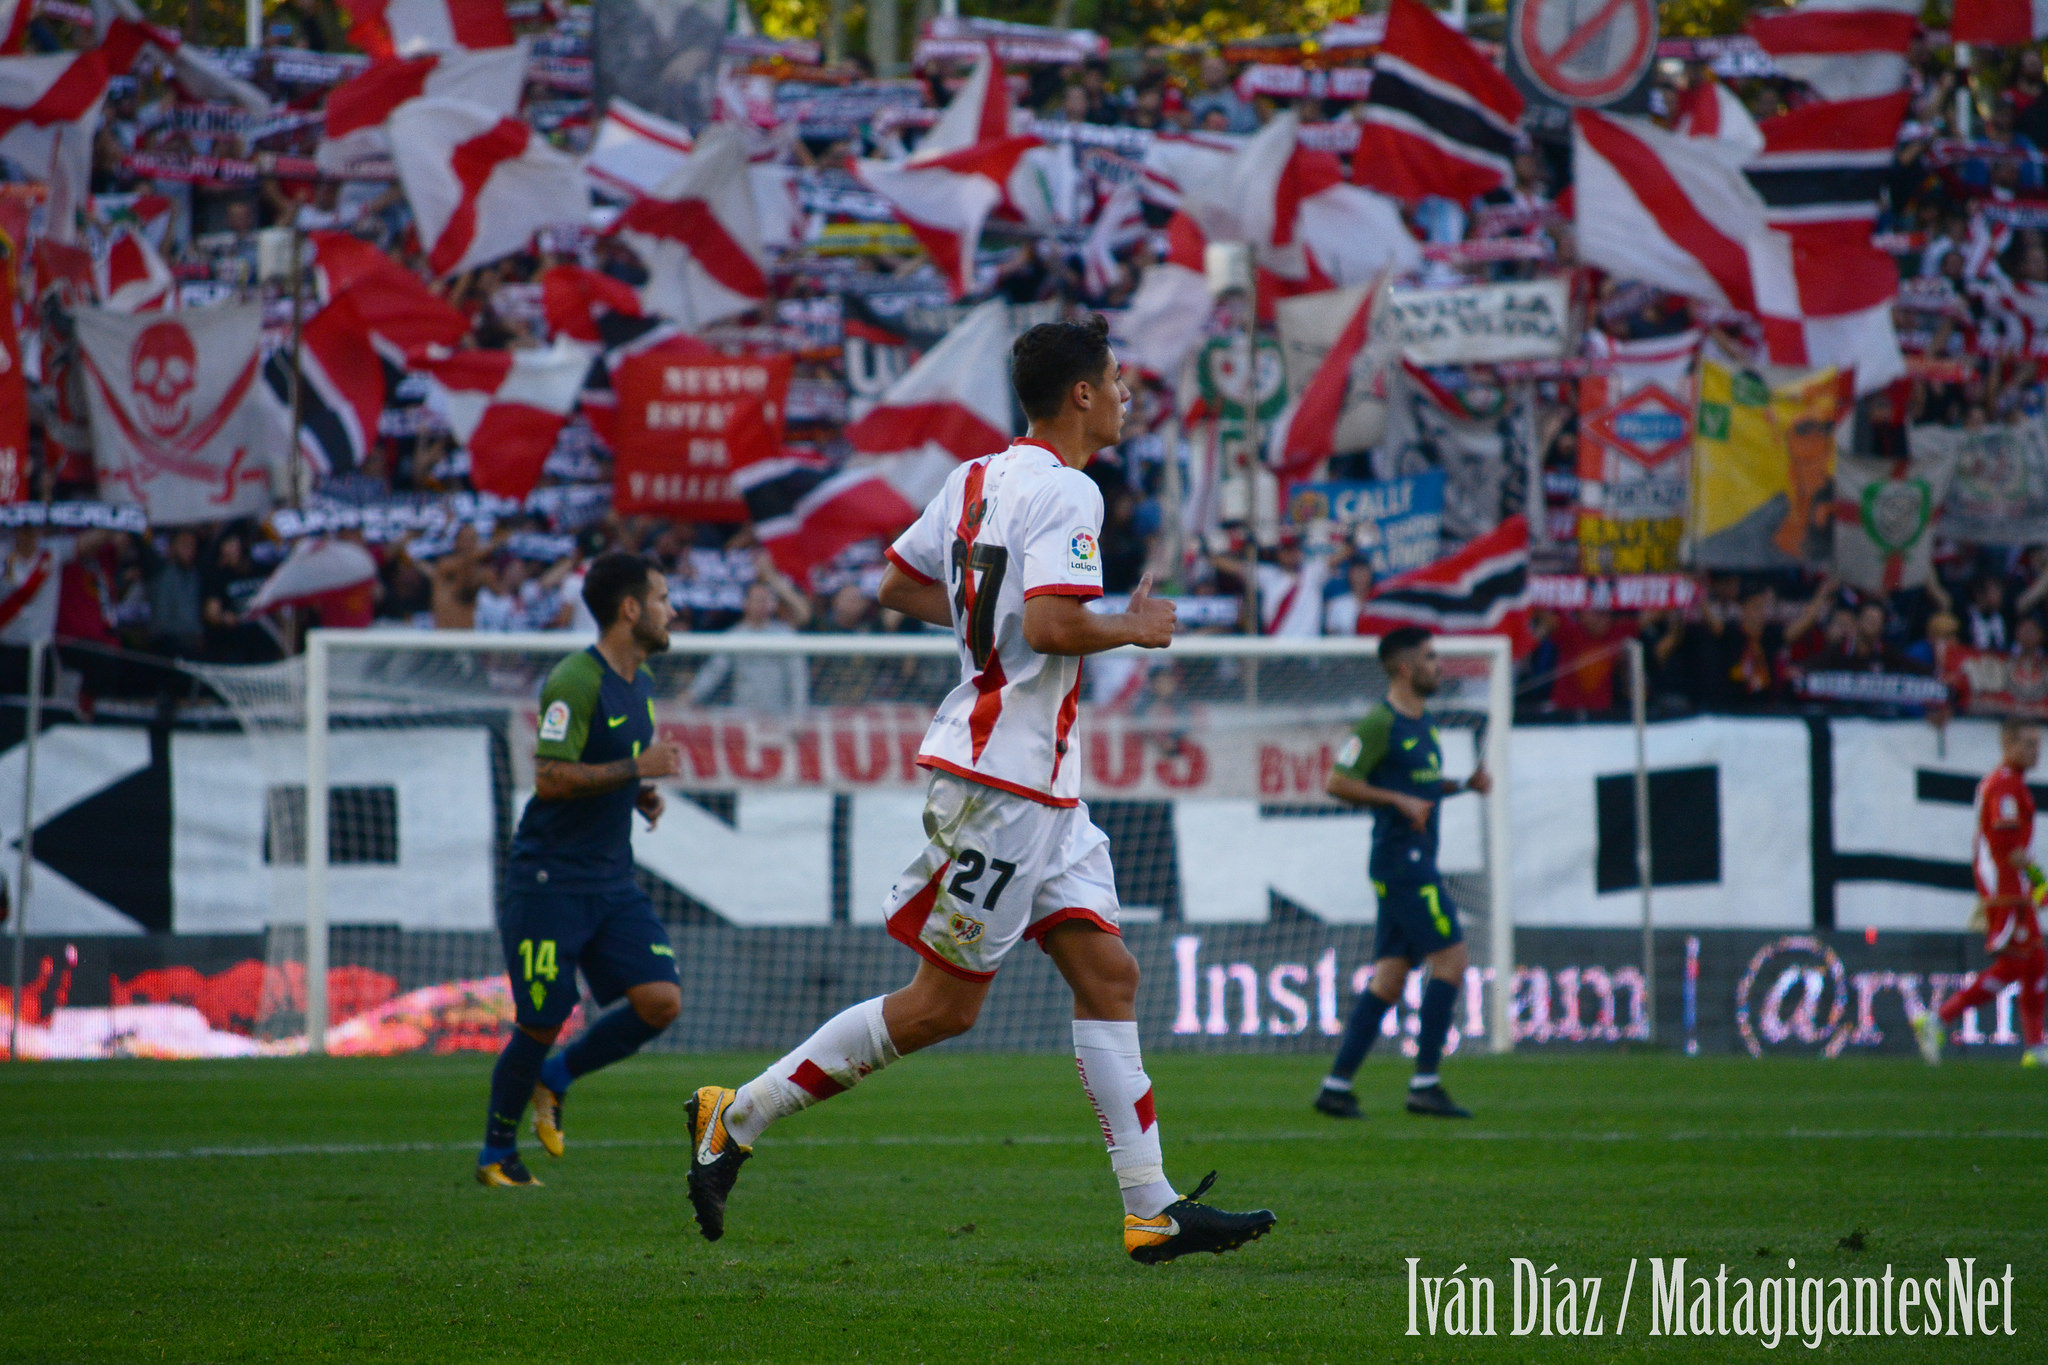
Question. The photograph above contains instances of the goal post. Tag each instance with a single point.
(818, 730)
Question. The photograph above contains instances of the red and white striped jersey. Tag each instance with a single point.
(1005, 529)
(2005, 826)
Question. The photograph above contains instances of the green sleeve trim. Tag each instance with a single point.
(567, 702)
(1369, 741)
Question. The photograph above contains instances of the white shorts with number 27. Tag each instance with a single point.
(998, 868)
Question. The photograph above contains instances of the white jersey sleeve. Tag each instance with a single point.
(921, 550)
(1063, 537)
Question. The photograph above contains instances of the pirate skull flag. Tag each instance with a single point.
(180, 424)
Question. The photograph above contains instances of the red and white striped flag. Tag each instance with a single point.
(1999, 23)
(1167, 319)
(131, 277)
(507, 408)
(1845, 49)
(1440, 117)
(14, 16)
(376, 312)
(698, 236)
(1709, 109)
(1823, 289)
(317, 571)
(1483, 589)
(978, 112)
(405, 28)
(1308, 228)
(359, 108)
(633, 151)
(406, 321)
(945, 201)
(951, 406)
(1668, 210)
(1306, 433)
(572, 295)
(341, 388)
(49, 114)
(968, 166)
(480, 184)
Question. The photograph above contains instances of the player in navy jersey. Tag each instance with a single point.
(571, 900)
(1394, 764)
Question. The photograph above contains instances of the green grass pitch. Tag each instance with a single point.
(960, 1207)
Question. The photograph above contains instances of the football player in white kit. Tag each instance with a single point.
(1007, 557)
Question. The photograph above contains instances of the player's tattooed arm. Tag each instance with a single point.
(1357, 792)
(556, 779)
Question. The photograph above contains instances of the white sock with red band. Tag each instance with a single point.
(1113, 1075)
(845, 1048)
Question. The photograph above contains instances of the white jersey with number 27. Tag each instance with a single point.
(1007, 528)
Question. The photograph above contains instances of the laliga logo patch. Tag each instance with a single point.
(554, 724)
(1082, 556)
(965, 930)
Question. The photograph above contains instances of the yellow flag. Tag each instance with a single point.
(1763, 468)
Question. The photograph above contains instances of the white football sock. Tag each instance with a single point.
(845, 1048)
(1113, 1076)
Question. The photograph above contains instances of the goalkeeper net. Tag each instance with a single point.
(1243, 886)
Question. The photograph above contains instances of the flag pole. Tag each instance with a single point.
(302, 476)
(25, 876)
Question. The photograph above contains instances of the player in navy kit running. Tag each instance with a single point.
(1394, 763)
(571, 900)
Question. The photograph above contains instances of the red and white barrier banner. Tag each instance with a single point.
(1272, 755)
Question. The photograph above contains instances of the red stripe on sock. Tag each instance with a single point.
(812, 1077)
(1147, 1116)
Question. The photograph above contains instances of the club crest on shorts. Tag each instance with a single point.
(965, 928)
(1082, 554)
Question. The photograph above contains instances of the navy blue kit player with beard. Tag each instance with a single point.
(1393, 763)
(571, 901)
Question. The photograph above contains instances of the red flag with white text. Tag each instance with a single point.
(689, 418)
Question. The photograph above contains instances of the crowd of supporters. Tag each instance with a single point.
(1976, 288)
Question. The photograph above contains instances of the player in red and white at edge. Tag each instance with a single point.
(1007, 557)
(2008, 883)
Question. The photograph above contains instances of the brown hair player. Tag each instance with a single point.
(2008, 882)
(1007, 558)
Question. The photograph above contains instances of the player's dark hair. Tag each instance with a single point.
(1398, 643)
(613, 577)
(1049, 359)
(2012, 727)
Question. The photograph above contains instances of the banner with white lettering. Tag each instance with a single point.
(1526, 320)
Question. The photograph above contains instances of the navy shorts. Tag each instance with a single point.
(1416, 919)
(611, 933)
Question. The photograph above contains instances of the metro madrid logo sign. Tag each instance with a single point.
(1649, 426)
